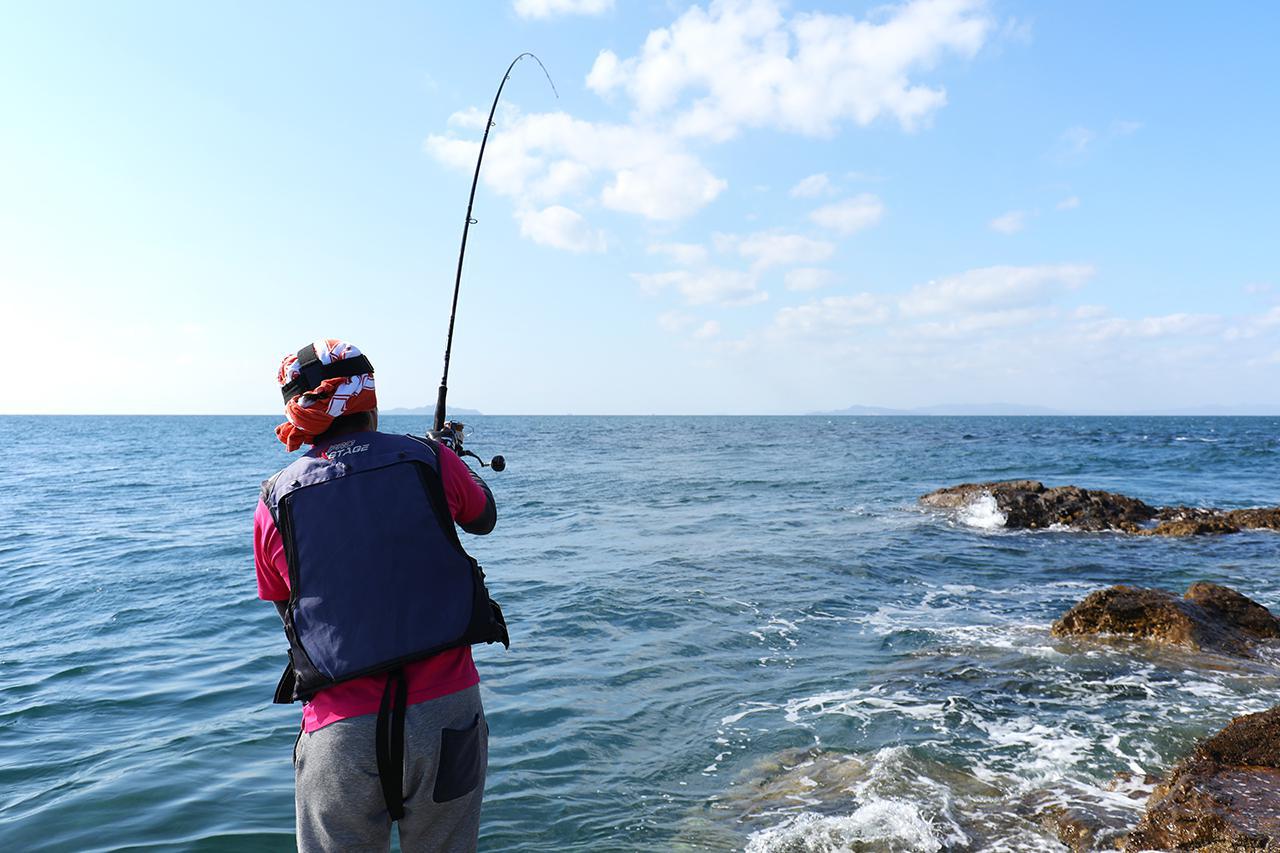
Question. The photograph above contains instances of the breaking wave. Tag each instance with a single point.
(983, 513)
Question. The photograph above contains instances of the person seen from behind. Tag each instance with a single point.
(355, 543)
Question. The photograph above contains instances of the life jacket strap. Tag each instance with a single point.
(390, 741)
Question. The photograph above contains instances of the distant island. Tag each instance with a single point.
(1015, 409)
(431, 410)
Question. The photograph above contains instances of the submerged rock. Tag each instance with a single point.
(1090, 821)
(1208, 617)
(1224, 797)
(1029, 504)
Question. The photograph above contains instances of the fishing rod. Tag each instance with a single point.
(453, 429)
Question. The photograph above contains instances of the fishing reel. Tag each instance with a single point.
(450, 435)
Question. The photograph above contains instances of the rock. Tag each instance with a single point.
(1258, 518)
(1191, 527)
(1079, 831)
(1190, 521)
(1208, 618)
(1224, 797)
(1029, 504)
(1239, 610)
(954, 497)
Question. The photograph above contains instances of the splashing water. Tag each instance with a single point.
(983, 513)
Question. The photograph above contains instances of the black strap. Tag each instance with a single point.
(390, 741)
(312, 372)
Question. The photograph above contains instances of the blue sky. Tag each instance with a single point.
(745, 207)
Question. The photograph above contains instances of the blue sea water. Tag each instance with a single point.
(727, 633)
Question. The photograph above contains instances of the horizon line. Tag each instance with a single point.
(834, 414)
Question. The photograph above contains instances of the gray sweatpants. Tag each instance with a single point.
(339, 799)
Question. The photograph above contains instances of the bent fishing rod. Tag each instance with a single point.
(452, 428)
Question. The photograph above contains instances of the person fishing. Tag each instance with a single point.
(355, 543)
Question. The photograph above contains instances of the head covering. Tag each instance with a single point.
(313, 411)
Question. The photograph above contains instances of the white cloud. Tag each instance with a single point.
(994, 289)
(851, 214)
(1009, 223)
(834, 315)
(715, 70)
(675, 322)
(1165, 326)
(540, 158)
(683, 254)
(560, 228)
(745, 63)
(672, 188)
(707, 330)
(562, 178)
(472, 118)
(1069, 203)
(774, 248)
(704, 287)
(808, 278)
(812, 186)
(982, 322)
(551, 8)
(1125, 128)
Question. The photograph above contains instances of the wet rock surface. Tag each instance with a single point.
(1208, 617)
(1029, 504)
(1224, 797)
(1090, 823)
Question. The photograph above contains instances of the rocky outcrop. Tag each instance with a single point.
(1029, 504)
(1193, 521)
(1207, 618)
(1224, 797)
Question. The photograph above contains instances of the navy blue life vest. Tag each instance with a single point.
(377, 576)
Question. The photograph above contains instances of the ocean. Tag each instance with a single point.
(728, 633)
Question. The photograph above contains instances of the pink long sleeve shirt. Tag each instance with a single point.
(439, 675)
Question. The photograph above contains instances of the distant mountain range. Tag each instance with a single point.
(1007, 409)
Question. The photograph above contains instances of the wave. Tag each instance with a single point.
(983, 513)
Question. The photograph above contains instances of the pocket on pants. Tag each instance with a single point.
(459, 769)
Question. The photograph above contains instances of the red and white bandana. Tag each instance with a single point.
(312, 413)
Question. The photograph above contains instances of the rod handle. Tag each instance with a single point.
(440, 405)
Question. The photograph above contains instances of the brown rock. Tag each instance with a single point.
(1258, 518)
(1224, 797)
(1208, 618)
(1077, 829)
(954, 497)
(1029, 504)
(1192, 527)
(1235, 609)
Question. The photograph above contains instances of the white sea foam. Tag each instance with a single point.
(983, 513)
(863, 703)
(754, 708)
(1045, 751)
(894, 823)
(896, 808)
